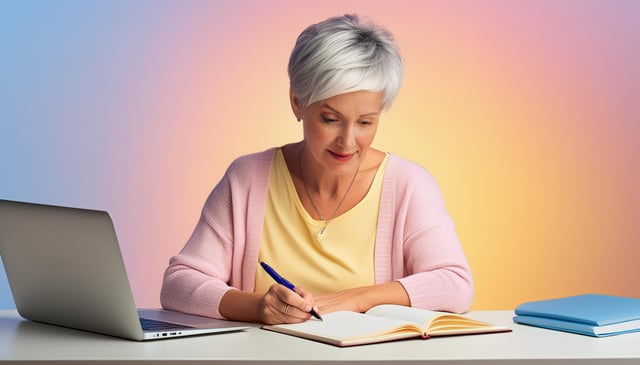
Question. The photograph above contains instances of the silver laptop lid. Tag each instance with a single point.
(65, 267)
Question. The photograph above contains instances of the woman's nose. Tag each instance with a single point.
(346, 136)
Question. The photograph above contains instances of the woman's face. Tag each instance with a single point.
(339, 130)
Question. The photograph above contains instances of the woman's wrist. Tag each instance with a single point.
(389, 293)
(239, 305)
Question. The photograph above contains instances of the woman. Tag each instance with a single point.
(351, 226)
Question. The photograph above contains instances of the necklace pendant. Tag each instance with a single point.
(321, 231)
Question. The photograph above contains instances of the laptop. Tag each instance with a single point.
(64, 267)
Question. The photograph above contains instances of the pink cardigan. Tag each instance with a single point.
(416, 242)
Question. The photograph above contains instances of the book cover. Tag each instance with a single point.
(590, 314)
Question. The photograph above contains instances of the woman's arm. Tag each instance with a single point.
(435, 271)
(278, 305)
(420, 257)
(211, 262)
(363, 298)
(199, 276)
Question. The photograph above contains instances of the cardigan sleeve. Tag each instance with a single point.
(222, 252)
(436, 273)
(197, 277)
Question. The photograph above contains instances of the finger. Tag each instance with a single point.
(291, 313)
(304, 294)
(271, 308)
(308, 297)
(293, 304)
(279, 305)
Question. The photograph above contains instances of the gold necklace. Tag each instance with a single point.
(313, 204)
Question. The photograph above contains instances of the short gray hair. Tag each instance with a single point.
(344, 54)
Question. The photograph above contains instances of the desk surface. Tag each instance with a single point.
(25, 341)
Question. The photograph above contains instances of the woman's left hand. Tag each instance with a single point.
(346, 300)
(363, 298)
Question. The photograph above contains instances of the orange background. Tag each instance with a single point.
(526, 112)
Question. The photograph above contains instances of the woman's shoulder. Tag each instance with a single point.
(241, 175)
(256, 157)
(406, 175)
(405, 169)
(253, 163)
(411, 182)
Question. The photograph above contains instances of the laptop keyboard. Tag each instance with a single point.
(155, 325)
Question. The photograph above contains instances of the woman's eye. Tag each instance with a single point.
(329, 120)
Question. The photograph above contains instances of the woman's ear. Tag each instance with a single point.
(295, 105)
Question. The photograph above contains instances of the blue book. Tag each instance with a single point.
(588, 314)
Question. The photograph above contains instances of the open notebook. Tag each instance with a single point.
(65, 267)
(384, 323)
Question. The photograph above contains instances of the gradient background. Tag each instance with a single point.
(526, 112)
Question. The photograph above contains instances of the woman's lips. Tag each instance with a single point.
(341, 157)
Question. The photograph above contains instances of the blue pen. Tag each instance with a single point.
(280, 280)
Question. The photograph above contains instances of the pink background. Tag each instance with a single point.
(526, 112)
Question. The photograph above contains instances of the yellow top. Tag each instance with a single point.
(341, 258)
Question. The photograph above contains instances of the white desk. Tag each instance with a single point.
(29, 342)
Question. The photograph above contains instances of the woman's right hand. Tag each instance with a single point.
(281, 305)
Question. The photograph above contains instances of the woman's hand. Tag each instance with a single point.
(281, 305)
(346, 300)
(278, 305)
(363, 298)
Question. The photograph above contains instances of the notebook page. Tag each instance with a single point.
(419, 317)
(346, 325)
